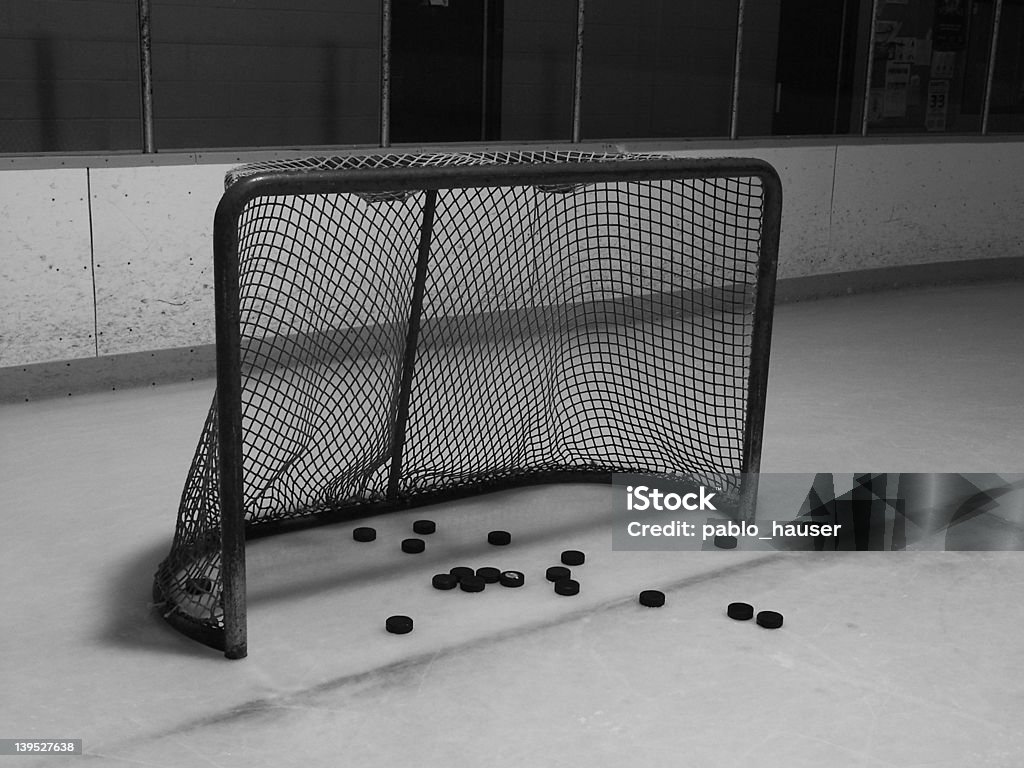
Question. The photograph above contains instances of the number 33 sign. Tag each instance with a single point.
(937, 105)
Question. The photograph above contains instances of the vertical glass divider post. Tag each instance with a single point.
(735, 108)
(990, 75)
(577, 82)
(870, 69)
(385, 73)
(146, 75)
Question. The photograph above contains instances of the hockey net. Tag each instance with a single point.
(488, 320)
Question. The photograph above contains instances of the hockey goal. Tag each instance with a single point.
(399, 329)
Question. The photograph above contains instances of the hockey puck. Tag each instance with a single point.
(460, 572)
(573, 557)
(740, 611)
(424, 527)
(512, 579)
(489, 575)
(725, 542)
(472, 584)
(652, 598)
(398, 625)
(445, 581)
(769, 619)
(499, 538)
(364, 534)
(567, 587)
(557, 573)
(413, 546)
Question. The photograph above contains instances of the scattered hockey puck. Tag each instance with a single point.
(413, 546)
(200, 585)
(460, 572)
(769, 619)
(567, 587)
(652, 598)
(398, 625)
(424, 527)
(573, 557)
(725, 542)
(511, 579)
(445, 581)
(740, 611)
(489, 575)
(364, 534)
(472, 584)
(557, 573)
(499, 538)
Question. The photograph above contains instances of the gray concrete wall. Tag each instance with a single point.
(108, 258)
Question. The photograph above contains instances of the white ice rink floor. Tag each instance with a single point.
(886, 659)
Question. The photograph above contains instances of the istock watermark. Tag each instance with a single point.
(642, 498)
(821, 512)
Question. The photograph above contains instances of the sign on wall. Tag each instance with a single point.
(937, 105)
(950, 32)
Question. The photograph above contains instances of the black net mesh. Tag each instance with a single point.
(564, 329)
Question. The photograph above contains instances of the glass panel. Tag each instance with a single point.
(70, 76)
(265, 73)
(1006, 112)
(537, 70)
(929, 66)
(799, 70)
(658, 68)
(446, 58)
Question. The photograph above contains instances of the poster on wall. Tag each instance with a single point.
(943, 65)
(903, 49)
(912, 50)
(885, 33)
(950, 32)
(897, 78)
(937, 105)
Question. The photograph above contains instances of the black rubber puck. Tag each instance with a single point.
(567, 587)
(424, 527)
(652, 598)
(472, 584)
(413, 546)
(398, 625)
(201, 585)
(364, 534)
(460, 572)
(725, 542)
(769, 619)
(512, 579)
(573, 557)
(740, 611)
(445, 581)
(489, 575)
(499, 538)
(557, 573)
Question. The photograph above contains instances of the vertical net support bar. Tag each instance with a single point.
(761, 338)
(411, 340)
(229, 427)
